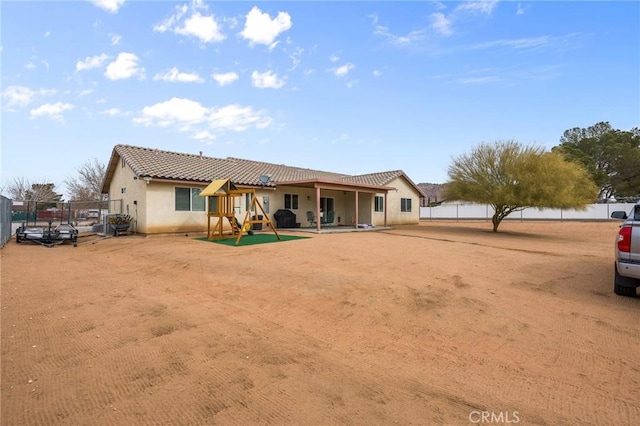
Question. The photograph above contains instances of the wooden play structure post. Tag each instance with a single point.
(221, 196)
(265, 219)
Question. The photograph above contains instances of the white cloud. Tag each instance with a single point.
(176, 76)
(125, 66)
(85, 92)
(224, 79)
(334, 58)
(176, 110)
(521, 43)
(522, 9)
(479, 80)
(343, 70)
(188, 115)
(169, 23)
(259, 28)
(377, 73)
(238, 118)
(202, 26)
(266, 80)
(203, 136)
(518, 74)
(112, 112)
(295, 58)
(30, 65)
(47, 34)
(480, 6)
(341, 139)
(53, 111)
(110, 6)
(115, 39)
(411, 37)
(92, 62)
(20, 96)
(441, 24)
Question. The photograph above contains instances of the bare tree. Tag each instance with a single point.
(17, 188)
(87, 186)
(23, 190)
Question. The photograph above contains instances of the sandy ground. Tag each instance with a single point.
(441, 323)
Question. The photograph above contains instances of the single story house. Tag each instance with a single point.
(160, 190)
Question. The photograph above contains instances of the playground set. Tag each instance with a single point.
(221, 199)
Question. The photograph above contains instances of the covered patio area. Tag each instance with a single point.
(335, 206)
(339, 229)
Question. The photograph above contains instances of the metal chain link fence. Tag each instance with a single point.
(5, 220)
(84, 215)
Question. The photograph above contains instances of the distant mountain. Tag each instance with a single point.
(432, 192)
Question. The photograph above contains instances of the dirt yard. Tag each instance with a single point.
(441, 323)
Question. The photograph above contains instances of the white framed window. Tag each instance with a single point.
(291, 201)
(405, 204)
(188, 199)
(123, 190)
(378, 204)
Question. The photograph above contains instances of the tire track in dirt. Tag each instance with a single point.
(278, 329)
(254, 327)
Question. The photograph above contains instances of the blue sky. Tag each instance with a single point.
(350, 87)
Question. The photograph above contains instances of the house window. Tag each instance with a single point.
(291, 201)
(197, 202)
(122, 163)
(189, 199)
(405, 204)
(379, 204)
(123, 190)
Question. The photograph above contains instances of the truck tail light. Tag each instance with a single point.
(624, 239)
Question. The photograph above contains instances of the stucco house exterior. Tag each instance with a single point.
(160, 191)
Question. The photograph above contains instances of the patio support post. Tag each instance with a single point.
(318, 218)
(386, 195)
(356, 224)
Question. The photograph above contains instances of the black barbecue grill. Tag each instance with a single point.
(286, 219)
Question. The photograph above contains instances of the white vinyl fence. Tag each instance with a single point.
(485, 212)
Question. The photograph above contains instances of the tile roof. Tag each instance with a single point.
(169, 165)
(381, 178)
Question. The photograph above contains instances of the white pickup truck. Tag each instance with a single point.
(627, 252)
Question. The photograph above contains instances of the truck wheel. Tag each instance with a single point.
(623, 286)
